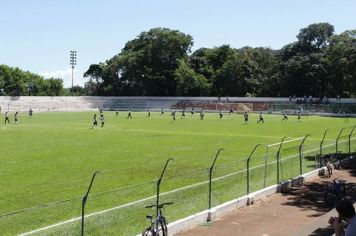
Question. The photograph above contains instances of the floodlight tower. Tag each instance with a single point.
(73, 63)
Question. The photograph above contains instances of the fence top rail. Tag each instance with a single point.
(288, 141)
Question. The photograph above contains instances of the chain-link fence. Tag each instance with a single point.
(122, 211)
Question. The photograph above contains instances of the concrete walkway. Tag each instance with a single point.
(299, 211)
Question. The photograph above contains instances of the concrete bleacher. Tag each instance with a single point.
(83, 103)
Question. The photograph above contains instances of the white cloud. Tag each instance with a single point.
(66, 75)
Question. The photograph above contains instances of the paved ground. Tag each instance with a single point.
(290, 213)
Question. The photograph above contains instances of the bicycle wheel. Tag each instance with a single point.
(162, 231)
(148, 232)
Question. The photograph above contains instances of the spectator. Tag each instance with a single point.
(347, 214)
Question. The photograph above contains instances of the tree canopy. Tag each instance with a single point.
(16, 82)
(159, 62)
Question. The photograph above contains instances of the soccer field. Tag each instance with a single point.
(47, 162)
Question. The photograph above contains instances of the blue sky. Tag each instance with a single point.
(37, 35)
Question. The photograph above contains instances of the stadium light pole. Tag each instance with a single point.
(73, 63)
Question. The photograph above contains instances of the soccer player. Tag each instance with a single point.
(202, 114)
(183, 114)
(117, 112)
(148, 112)
(30, 112)
(95, 122)
(285, 116)
(261, 118)
(246, 117)
(221, 115)
(7, 118)
(162, 111)
(192, 112)
(173, 114)
(231, 111)
(129, 114)
(102, 119)
(16, 117)
(299, 116)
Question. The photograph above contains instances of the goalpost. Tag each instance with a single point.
(289, 148)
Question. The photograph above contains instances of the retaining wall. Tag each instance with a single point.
(24, 103)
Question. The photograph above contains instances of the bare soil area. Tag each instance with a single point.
(283, 214)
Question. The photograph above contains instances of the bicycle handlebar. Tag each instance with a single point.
(160, 205)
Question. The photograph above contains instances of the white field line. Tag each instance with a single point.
(148, 198)
(288, 141)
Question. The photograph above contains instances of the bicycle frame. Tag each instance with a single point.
(158, 225)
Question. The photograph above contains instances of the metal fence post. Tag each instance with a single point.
(159, 184)
(210, 174)
(301, 153)
(248, 169)
(350, 139)
(337, 141)
(321, 147)
(84, 200)
(279, 150)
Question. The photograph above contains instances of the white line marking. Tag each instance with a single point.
(148, 198)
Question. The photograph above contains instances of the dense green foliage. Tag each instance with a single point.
(50, 157)
(159, 62)
(16, 82)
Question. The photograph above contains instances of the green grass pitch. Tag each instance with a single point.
(46, 162)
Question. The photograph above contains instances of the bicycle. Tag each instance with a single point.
(158, 227)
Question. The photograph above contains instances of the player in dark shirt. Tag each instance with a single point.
(95, 122)
(16, 117)
(173, 114)
(183, 114)
(246, 117)
(202, 114)
(7, 118)
(221, 115)
(261, 118)
(285, 116)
